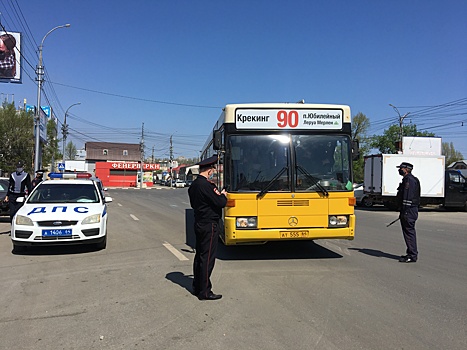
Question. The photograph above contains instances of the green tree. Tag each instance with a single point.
(16, 137)
(386, 143)
(360, 125)
(51, 150)
(70, 151)
(450, 153)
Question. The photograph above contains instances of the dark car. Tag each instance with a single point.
(4, 206)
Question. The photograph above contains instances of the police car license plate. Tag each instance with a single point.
(294, 234)
(56, 232)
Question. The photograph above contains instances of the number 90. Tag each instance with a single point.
(287, 119)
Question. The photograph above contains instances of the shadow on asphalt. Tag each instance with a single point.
(59, 250)
(376, 253)
(184, 281)
(276, 250)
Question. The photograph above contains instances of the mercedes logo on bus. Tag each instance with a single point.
(293, 221)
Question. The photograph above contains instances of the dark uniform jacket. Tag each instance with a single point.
(206, 200)
(20, 184)
(408, 192)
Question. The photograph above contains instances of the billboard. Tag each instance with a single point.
(10, 57)
(43, 117)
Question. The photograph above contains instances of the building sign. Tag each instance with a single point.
(291, 119)
(134, 166)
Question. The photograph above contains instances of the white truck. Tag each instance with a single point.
(438, 185)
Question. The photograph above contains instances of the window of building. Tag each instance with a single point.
(125, 152)
(105, 152)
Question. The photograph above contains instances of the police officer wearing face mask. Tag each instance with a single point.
(19, 186)
(408, 200)
(207, 202)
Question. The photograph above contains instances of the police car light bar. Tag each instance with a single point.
(70, 175)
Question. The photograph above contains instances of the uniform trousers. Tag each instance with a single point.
(408, 218)
(207, 235)
(14, 206)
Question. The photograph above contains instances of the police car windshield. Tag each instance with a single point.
(64, 193)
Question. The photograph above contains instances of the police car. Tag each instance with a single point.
(69, 208)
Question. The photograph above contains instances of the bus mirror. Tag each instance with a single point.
(217, 140)
(355, 150)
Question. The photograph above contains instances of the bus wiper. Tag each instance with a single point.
(314, 180)
(270, 183)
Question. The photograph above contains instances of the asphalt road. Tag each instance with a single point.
(328, 294)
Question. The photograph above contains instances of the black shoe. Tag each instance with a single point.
(407, 259)
(211, 296)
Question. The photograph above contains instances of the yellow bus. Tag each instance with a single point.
(287, 169)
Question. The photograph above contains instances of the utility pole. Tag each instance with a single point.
(142, 156)
(152, 156)
(37, 117)
(65, 129)
(171, 161)
(401, 122)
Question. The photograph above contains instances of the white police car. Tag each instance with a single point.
(68, 209)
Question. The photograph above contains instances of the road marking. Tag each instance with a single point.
(134, 217)
(175, 252)
(119, 204)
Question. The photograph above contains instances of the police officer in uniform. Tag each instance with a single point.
(19, 186)
(408, 200)
(37, 179)
(207, 202)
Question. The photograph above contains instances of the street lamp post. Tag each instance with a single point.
(401, 122)
(65, 129)
(39, 79)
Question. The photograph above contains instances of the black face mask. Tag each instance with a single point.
(401, 172)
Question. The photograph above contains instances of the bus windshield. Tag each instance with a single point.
(289, 162)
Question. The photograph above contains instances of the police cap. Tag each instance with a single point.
(208, 162)
(20, 164)
(40, 172)
(405, 165)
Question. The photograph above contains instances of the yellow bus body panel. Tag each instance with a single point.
(291, 216)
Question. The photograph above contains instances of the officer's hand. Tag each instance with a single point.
(224, 192)
(6, 199)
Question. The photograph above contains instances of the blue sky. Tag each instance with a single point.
(173, 64)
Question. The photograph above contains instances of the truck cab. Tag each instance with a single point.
(456, 189)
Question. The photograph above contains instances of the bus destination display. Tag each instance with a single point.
(315, 119)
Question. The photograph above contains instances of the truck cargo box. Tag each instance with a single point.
(381, 176)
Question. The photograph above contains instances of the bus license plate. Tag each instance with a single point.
(294, 234)
(57, 232)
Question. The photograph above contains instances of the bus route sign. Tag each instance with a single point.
(314, 119)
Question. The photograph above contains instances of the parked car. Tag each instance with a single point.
(4, 206)
(179, 183)
(362, 199)
(62, 212)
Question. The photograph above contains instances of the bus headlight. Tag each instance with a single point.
(338, 220)
(247, 222)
